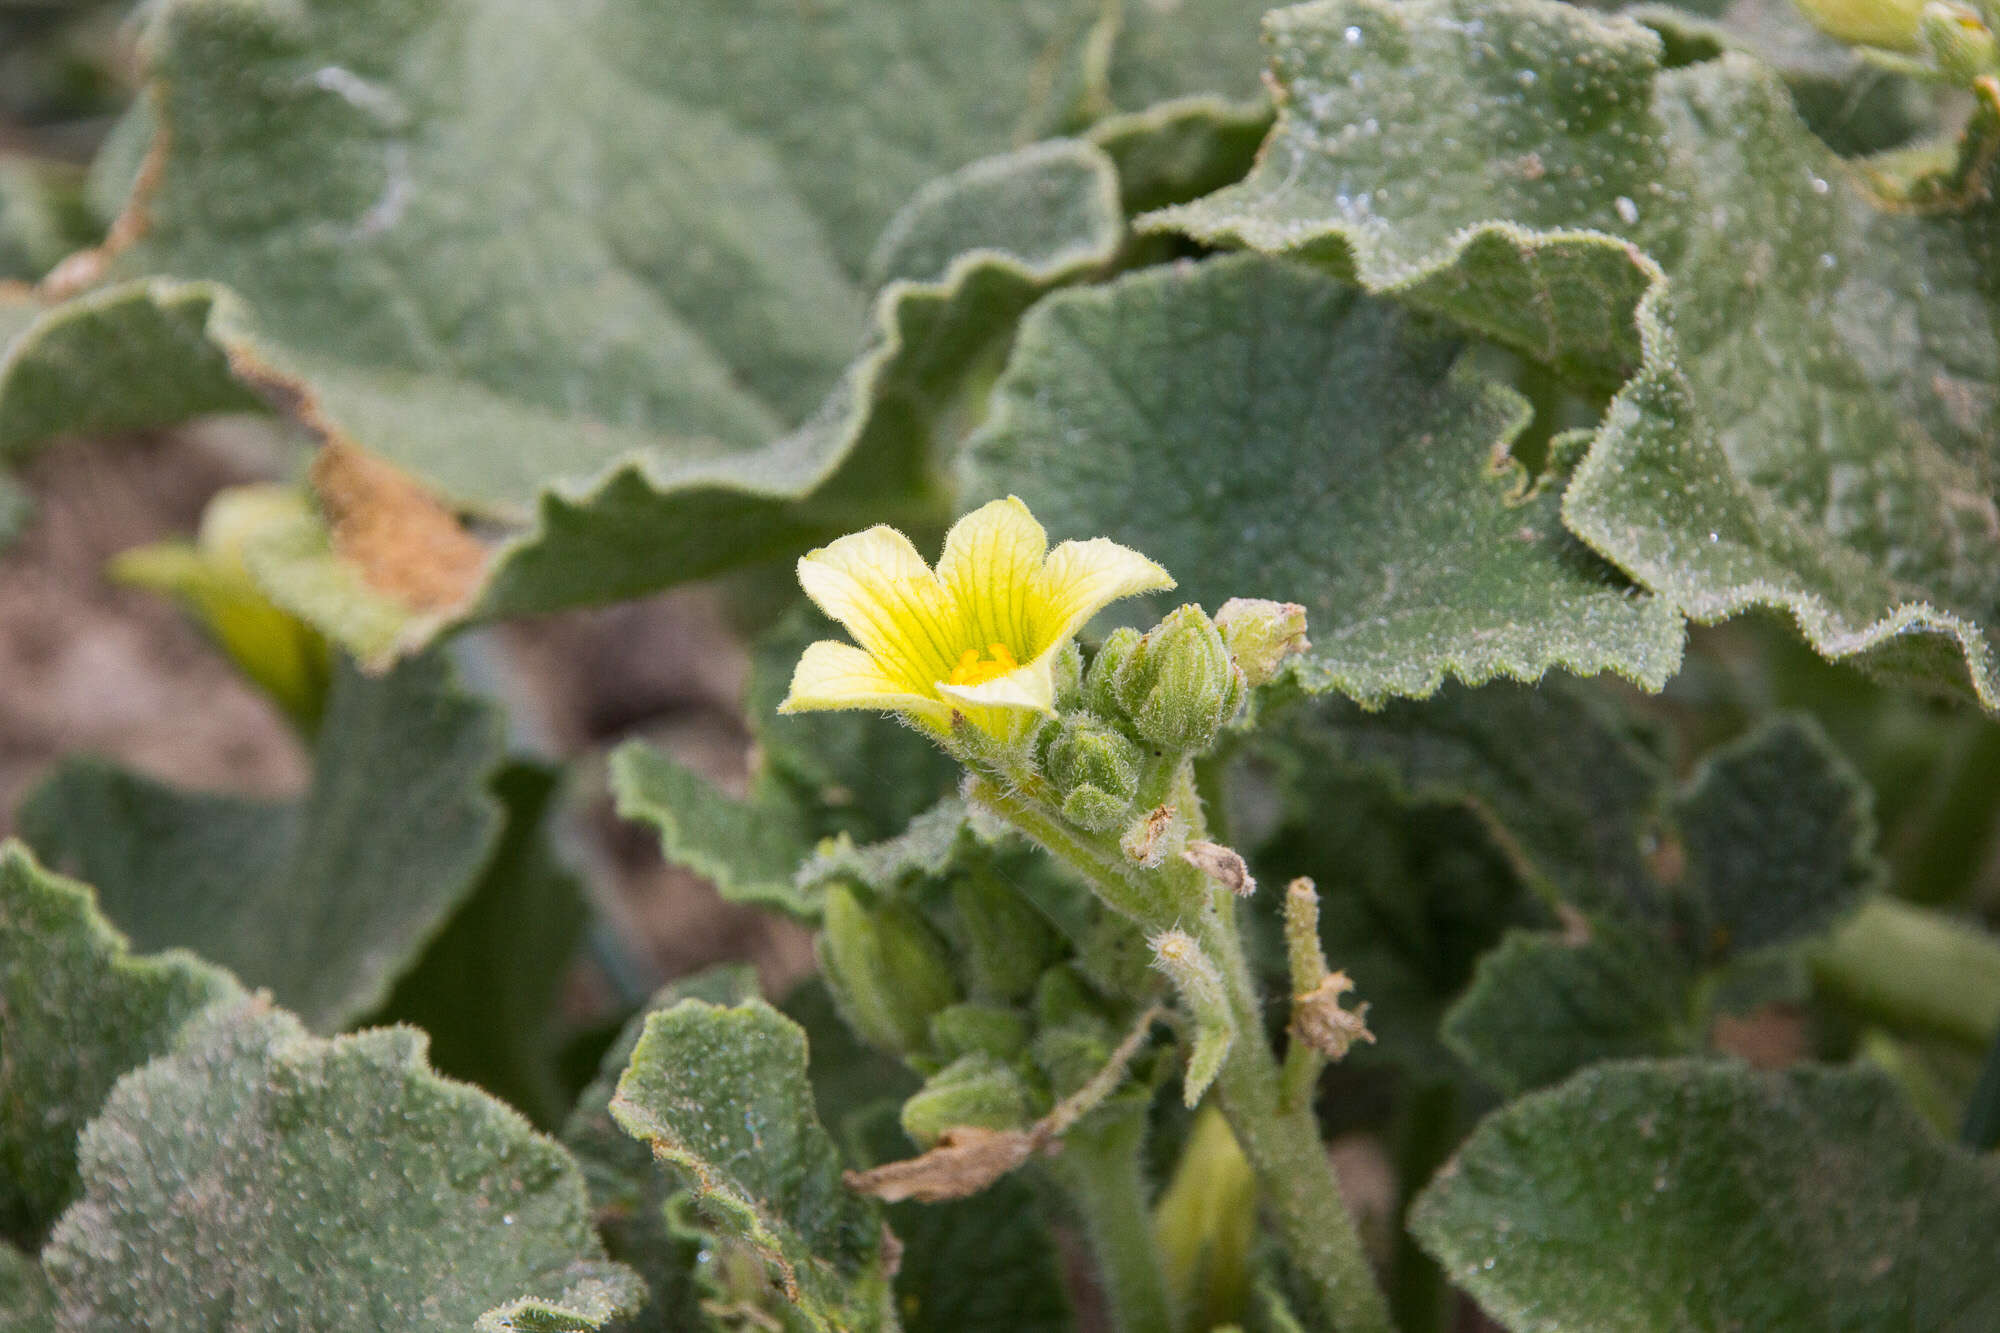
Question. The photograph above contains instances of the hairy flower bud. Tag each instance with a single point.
(1067, 673)
(886, 969)
(1099, 694)
(1095, 767)
(1261, 635)
(978, 1029)
(1959, 42)
(975, 1090)
(1179, 685)
(1004, 942)
(1889, 24)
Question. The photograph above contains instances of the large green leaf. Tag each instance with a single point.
(721, 1097)
(1263, 431)
(260, 1177)
(1680, 1196)
(324, 900)
(1810, 403)
(581, 274)
(76, 1011)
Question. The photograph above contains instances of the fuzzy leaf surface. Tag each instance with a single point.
(1642, 1197)
(1809, 416)
(77, 1010)
(261, 1177)
(721, 1097)
(324, 900)
(593, 278)
(1263, 431)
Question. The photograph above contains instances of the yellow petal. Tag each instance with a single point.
(877, 586)
(839, 675)
(992, 559)
(1029, 687)
(1079, 579)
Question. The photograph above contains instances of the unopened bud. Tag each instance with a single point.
(1179, 686)
(1959, 42)
(1067, 672)
(1319, 1021)
(1004, 940)
(1095, 767)
(1889, 24)
(1199, 982)
(1099, 694)
(975, 1090)
(978, 1029)
(1261, 635)
(887, 971)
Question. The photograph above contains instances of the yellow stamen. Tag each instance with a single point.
(973, 670)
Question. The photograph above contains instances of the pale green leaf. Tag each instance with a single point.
(748, 848)
(76, 1011)
(628, 1194)
(1653, 1198)
(721, 1097)
(1263, 431)
(1809, 406)
(258, 1177)
(27, 1302)
(324, 900)
(578, 273)
(42, 216)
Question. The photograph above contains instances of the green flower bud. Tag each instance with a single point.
(1063, 997)
(1959, 42)
(972, 1090)
(1261, 635)
(888, 972)
(1068, 674)
(1070, 1055)
(1179, 685)
(1005, 940)
(1098, 694)
(978, 1029)
(1889, 24)
(1095, 767)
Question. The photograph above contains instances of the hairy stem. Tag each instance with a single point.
(1282, 1141)
(1101, 1171)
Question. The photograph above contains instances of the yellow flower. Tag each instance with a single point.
(977, 637)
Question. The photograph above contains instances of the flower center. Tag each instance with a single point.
(972, 669)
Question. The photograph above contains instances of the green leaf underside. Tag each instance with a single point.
(1643, 1197)
(260, 1177)
(324, 900)
(628, 1194)
(1262, 430)
(1810, 403)
(76, 1011)
(649, 332)
(1542, 1006)
(748, 848)
(1770, 840)
(721, 1097)
(487, 986)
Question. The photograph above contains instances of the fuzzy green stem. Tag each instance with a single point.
(1912, 968)
(1282, 1141)
(1279, 1136)
(1101, 1170)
